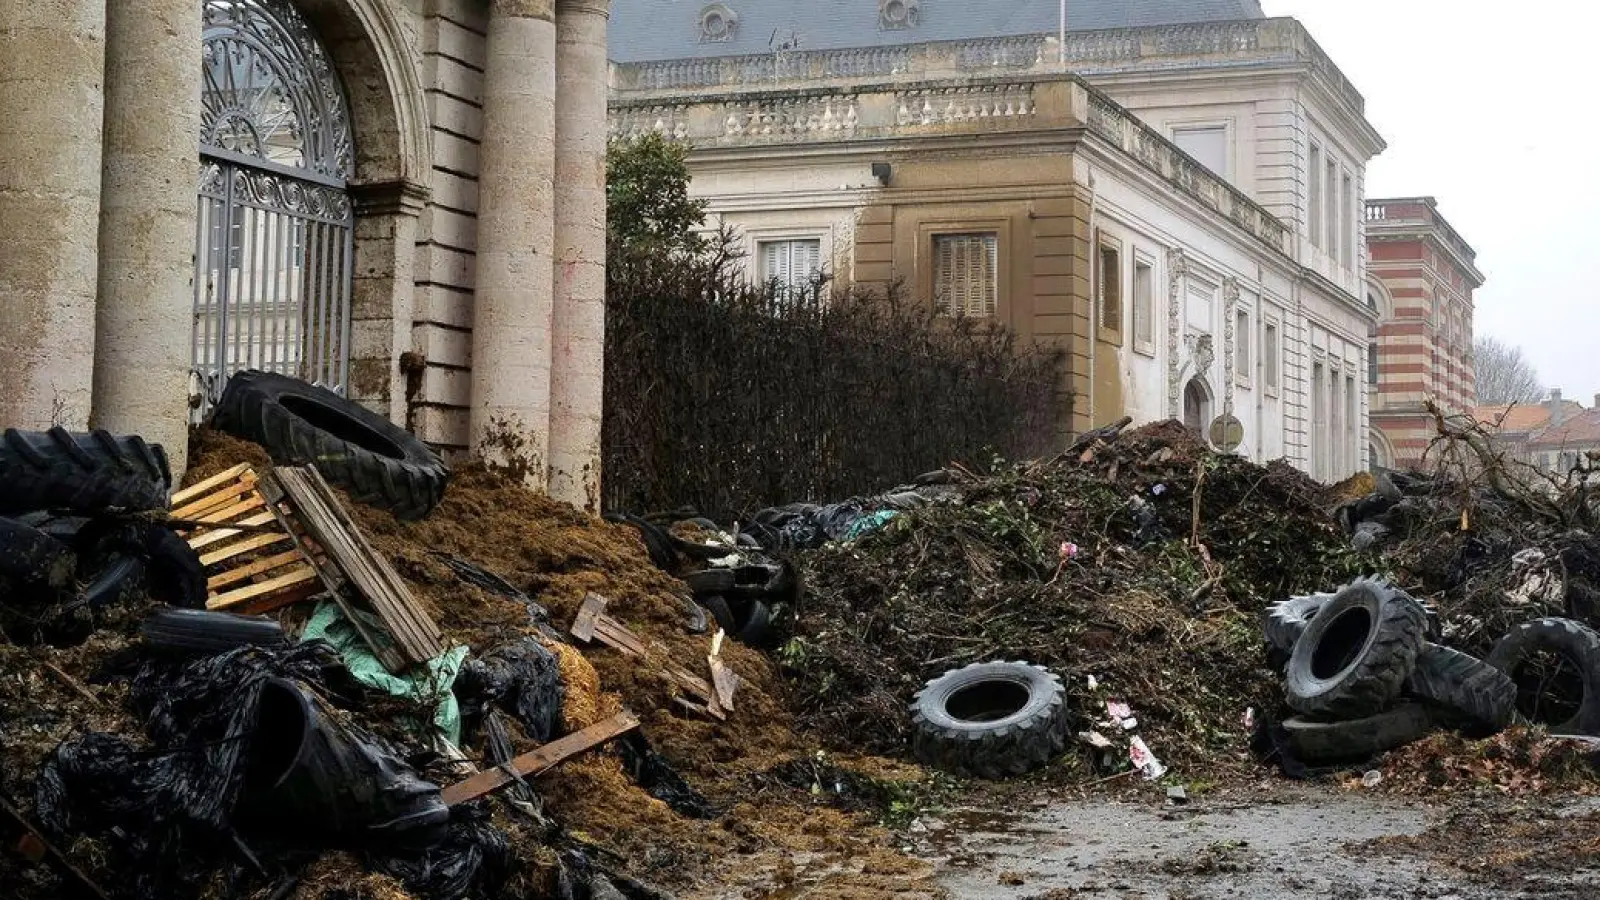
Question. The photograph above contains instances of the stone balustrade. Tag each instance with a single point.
(1251, 43)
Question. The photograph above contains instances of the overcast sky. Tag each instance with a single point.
(1489, 113)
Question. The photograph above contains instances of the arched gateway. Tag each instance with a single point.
(274, 246)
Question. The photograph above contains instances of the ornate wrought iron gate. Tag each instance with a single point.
(273, 267)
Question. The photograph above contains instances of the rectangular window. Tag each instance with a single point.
(1347, 224)
(1314, 218)
(1241, 346)
(793, 264)
(1110, 289)
(1330, 225)
(1352, 424)
(1269, 357)
(1335, 432)
(1208, 145)
(1144, 306)
(1319, 422)
(966, 274)
(1372, 362)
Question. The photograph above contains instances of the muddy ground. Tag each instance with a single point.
(1275, 840)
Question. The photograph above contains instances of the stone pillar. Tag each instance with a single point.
(577, 375)
(52, 65)
(510, 417)
(147, 223)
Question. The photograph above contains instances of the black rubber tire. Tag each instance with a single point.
(1353, 658)
(750, 624)
(1465, 684)
(92, 472)
(30, 557)
(1577, 643)
(1359, 739)
(1021, 729)
(1287, 619)
(379, 463)
(203, 632)
(172, 569)
(709, 581)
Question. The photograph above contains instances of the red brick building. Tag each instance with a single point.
(1421, 276)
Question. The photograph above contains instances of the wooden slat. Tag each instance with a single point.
(247, 545)
(258, 567)
(225, 516)
(222, 497)
(536, 762)
(425, 627)
(235, 597)
(275, 488)
(222, 534)
(196, 490)
(277, 601)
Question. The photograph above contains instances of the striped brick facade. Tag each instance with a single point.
(1422, 275)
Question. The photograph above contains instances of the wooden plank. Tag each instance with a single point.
(243, 487)
(615, 634)
(196, 490)
(536, 762)
(258, 567)
(274, 488)
(723, 681)
(222, 534)
(588, 614)
(226, 515)
(245, 546)
(235, 597)
(426, 628)
(278, 601)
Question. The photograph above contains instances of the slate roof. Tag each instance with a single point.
(645, 30)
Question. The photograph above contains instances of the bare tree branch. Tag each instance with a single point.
(1503, 374)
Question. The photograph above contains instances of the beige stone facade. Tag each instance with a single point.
(1178, 287)
(114, 293)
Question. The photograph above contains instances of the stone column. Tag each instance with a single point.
(147, 223)
(52, 65)
(510, 417)
(578, 328)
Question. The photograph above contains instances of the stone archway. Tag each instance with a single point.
(375, 58)
(1197, 406)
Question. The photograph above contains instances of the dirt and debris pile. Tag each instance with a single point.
(1142, 562)
(503, 572)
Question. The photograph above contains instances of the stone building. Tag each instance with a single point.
(1552, 435)
(1172, 196)
(402, 200)
(1421, 278)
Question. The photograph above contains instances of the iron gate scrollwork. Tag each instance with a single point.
(273, 254)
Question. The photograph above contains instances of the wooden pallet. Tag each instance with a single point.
(253, 562)
(351, 569)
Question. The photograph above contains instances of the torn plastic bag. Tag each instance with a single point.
(328, 783)
(472, 860)
(159, 809)
(651, 771)
(474, 574)
(427, 686)
(523, 679)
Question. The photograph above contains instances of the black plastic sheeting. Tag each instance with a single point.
(169, 815)
(651, 771)
(523, 679)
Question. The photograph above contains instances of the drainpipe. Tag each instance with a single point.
(1094, 298)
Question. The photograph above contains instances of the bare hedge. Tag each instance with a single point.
(725, 397)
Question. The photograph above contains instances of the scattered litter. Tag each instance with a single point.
(1144, 760)
(1177, 796)
(1371, 778)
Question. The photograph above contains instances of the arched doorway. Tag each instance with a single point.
(1196, 406)
(274, 248)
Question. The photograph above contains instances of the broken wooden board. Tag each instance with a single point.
(36, 848)
(353, 570)
(252, 562)
(592, 624)
(536, 762)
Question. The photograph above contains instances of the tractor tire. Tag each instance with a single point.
(1486, 696)
(379, 463)
(1359, 739)
(990, 720)
(1355, 656)
(1576, 644)
(89, 473)
(206, 633)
